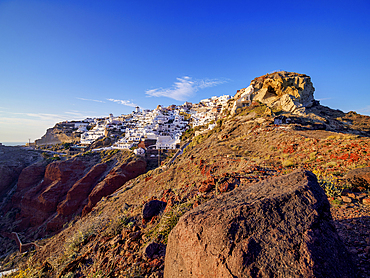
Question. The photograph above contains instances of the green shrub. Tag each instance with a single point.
(115, 226)
(169, 220)
(288, 163)
(329, 183)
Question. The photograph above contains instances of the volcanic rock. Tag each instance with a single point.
(31, 175)
(153, 208)
(114, 180)
(12, 161)
(81, 190)
(40, 201)
(8, 176)
(154, 248)
(60, 133)
(286, 90)
(276, 228)
(76, 197)
(359, 177)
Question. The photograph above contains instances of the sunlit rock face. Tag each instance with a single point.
(288, 91)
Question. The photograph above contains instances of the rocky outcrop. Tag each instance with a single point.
(286, 91)
(41, 201)
(114, 180)
(31, 175)
(9, 175)
(276, 228)
(12, 161)
(81, 190)
(50, 195)
(58, 135)
(77, 197)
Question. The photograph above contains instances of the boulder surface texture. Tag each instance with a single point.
(359, 177)
(276, 228)
(289, 91)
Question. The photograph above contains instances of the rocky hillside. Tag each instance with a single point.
(48, 194)
(12, 161)
(59, 134)
(197, 200)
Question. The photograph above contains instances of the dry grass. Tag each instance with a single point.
(242, 147)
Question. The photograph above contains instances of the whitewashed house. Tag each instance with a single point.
(92, 135)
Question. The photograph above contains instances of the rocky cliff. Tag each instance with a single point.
(48, 195)
(289, 97)
(58, 134)
(12, 161)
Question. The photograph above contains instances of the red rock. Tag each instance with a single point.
(12, 161)
(56, 223)
(81, 190)
(206, 187)
(59, 178)
(31, 175)
(40, 201)
(346, 199)
(366, 201)
(114, 180)
(359, 177)
(224, 187)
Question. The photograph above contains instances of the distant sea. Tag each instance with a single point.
(14, 143)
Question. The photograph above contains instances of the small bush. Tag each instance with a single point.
(115, 226)
(288, 163)
(329, 183)
(169, 220)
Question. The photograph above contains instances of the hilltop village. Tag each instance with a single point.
(158, 129)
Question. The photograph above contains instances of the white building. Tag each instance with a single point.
(139, 151)
(90, 136)
(167, 142)
(243, 100)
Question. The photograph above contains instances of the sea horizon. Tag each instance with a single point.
(12, 144)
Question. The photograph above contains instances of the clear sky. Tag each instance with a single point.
(68, 60)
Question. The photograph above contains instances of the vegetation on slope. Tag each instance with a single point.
(249, 147)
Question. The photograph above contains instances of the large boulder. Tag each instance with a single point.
(288, 91)
(276, 228)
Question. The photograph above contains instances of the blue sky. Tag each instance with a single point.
(67, 60)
